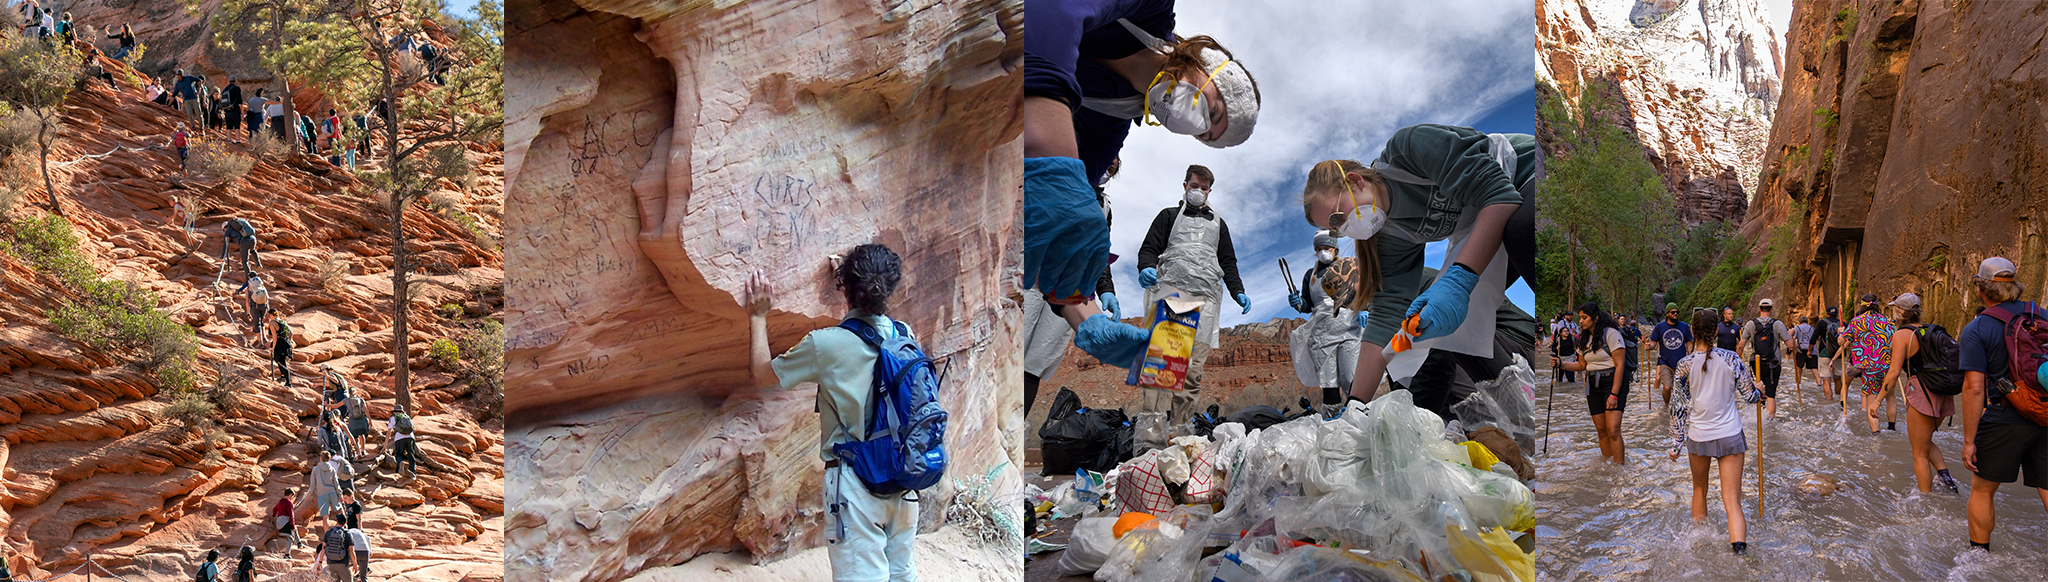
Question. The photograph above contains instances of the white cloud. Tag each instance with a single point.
(1336, 80)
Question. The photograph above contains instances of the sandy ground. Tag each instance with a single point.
(943, 556)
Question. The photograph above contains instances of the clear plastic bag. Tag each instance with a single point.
(1318, 564)
(1089, 546)
(1148, 431)
(1163, 550)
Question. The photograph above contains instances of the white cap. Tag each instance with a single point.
(1906, 301)
(1240, 98)
(1765, 302)
(1996, 269)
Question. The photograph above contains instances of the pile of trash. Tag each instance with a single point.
(1383, 491)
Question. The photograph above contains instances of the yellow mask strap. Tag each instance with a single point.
(1198, 91)
(1344, 178)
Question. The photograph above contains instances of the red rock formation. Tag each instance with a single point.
(659, 155)
(1696, 86)
(92, 468)
(1908, 151)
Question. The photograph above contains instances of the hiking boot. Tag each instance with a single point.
(1948, 482)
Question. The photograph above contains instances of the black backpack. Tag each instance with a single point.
(240, 229)
(337, 551)
(1935, 363)
(1825, 338)
(1765, 339)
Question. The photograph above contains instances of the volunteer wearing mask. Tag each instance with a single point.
(1093, 68)
(1188, 250)
(1434, 183)
(1326, 348)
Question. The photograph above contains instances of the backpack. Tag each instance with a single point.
(1935, 363)
(284, 336)
(355, 407)
(1764, 341)
(207, 573)
(178, 141)
(1824, 338)
(403, 421)
(2026, 348)
(240, 229)
(337, 551)
(905, 448)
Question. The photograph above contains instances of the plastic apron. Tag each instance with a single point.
(1046, 337)
(1325, 349)
(1474, 337)
(1189, 264)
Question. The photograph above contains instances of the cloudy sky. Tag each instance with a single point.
(1337, 78)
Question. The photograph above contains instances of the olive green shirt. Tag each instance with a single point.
(1461, 162)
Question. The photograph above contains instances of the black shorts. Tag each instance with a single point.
(1598, 384)
(2005, 450)
(1805, 361)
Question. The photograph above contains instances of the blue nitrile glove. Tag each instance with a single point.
(1294, 301)
(1361, 319)
(1148, 277)
(1066, 238)
(1444, 303)
(1112, 342)
(1245, 302)
(1109, 305)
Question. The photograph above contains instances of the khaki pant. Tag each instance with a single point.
(338, 572)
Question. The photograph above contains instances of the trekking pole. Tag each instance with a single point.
(1549, 404)
(1760, 455)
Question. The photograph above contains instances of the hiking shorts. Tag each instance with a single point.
(2006, 450)
(328, 502)
(1598, 385)
(1803, 360)
(1928, 403)
(1827, 368)
(1665, 375)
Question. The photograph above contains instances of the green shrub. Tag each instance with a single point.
(108, 315)
(446, 352)
(191, 410)
(483, 364)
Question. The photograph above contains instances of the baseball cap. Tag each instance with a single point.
(1906, 301)
(1765, 302)
(1996, 269)
(1832, 310)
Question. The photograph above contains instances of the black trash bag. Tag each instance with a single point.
(1257, 417)
(1074, 437)
(1205, 422)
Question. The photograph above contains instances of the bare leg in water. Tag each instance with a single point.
(1926, 456)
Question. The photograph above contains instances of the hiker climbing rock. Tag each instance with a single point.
(405, 451)
(361, 543)
(281, 349)
(257, 300)
(209, 571)
(281, 518)
(1332, 331)
(241, 236)
(325, 485)
(245, 565)
(336, 548)
(871, 524)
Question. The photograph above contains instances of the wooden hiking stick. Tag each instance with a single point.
(1759, 453)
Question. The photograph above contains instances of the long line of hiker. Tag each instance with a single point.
(1991, 372)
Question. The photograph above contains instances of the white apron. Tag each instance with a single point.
(1475, 336)
(1046, 337)
(1189, 264)
(1325, 349)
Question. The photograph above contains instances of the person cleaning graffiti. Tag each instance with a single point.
(1187, 250)
(1436, 183)
(1092, 70)
(871, 528)
(1332, 327)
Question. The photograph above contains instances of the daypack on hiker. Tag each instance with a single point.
(403, 421)
(284, 336)
(1824, 340)
(1935, 363)
(240, 229)
(207, 573)
(1764, 340)
(355, 407)
(905, 448)
(2026, 348)
(337, 551)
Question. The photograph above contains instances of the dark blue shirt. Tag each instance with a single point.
(1981, 348)
(1671, 339)
(1066, 36)
(187, 87)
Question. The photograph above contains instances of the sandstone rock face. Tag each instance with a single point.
(93, 468)
(1930, 162)
(659, 155)
(1698, 79)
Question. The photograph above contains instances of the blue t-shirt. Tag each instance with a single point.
(1671, 339)
(1981, 348)
(187, 87)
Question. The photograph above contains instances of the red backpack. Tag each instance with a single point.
(2026, 349)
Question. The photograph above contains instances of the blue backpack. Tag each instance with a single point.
(905, 449)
